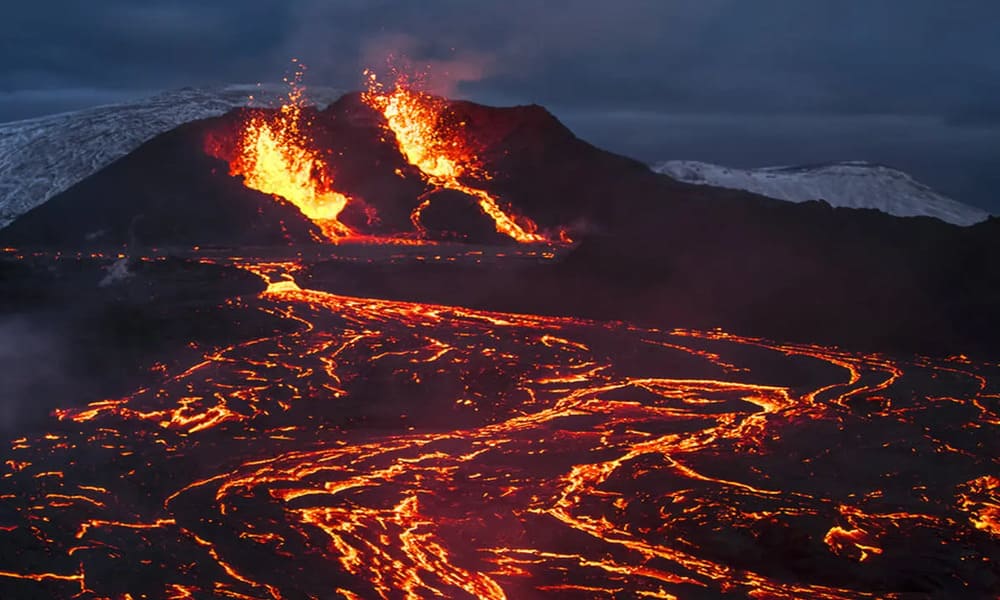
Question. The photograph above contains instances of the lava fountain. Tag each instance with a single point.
(274, 155)
(438, 150)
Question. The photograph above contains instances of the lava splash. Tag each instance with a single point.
(276, 156)
(383, 449)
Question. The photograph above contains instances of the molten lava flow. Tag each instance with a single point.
(390, 449)
(275, 156)
(981, 499)
(438, 151)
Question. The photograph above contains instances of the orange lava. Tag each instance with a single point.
(387, 449)
(276, 156)
(981, 499)
(440, 152)
(853, 543)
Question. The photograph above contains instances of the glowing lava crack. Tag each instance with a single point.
(384, 449)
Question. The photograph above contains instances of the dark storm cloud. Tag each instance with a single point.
(774, 73)
(912, 56)
(123, 44)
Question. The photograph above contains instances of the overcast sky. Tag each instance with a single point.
(910, 83)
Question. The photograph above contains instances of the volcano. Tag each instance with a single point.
(645, 246)
(175, 173)
(43, 157)
(405, 346)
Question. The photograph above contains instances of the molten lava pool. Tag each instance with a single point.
(383, 449)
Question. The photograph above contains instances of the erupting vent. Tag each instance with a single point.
(275, 156)
(275, 153)
(439, 150)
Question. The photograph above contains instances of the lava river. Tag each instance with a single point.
(383, 449)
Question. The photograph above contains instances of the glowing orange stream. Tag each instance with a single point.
(442, 155)
(384, 449)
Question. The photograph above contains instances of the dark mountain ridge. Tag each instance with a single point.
(649, 248)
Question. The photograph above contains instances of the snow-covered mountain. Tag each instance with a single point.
(848, 184)
(41, 157)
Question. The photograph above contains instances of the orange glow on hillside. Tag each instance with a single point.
(276, 157)
(438, 151)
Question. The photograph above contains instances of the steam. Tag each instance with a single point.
(338, 56)
(516, 42)
(34, 373)
(440, 75)
(117, 272)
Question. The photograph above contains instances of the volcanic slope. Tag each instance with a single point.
(39, 158)
(649, 248)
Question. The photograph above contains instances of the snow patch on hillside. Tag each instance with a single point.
(848, 184)
(42, 157)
